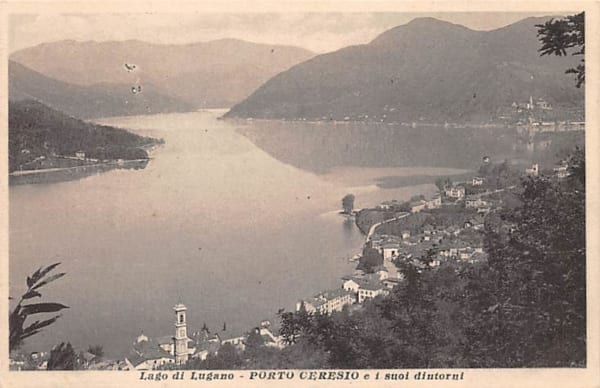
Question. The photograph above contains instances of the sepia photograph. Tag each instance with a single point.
(304, 195)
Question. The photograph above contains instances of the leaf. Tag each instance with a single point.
(37, 325)
(31, 294)
(40, 273)
(34, 278)
(23, 336)
(48, 269)
(48, 280)
(36, 308)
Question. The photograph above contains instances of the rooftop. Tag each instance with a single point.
(371, 285)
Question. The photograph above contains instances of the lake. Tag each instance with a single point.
(233, 219)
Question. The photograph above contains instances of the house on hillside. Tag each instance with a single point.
(370, 289)
(434, 202)
(534, 170)
(146, 354)
(475, 202)
(543, 104)
(417, 206)
(457, 192)
(350, 284)
(561, 171)
(477, 181)
(387, 205)
(327, 302)
(390, 249)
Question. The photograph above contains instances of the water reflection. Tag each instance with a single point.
(74, 173)
(322, 146)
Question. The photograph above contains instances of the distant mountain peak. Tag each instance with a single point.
(425, 27)
(427, 71)
(215, 74)
(431, 21)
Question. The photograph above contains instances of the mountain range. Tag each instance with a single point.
(98, 100)
(175, 77)
(426, 70)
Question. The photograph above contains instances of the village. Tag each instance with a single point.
(447, 226)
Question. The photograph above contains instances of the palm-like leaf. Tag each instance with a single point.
(37, 308)
(21, 312)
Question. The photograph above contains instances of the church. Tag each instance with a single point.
(148, 354)
(157, 353)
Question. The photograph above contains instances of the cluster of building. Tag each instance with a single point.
(355, 289)
(538, 115)
(424, 204)
(559, 171)
(451, 242)
(414, 206)
(531, 105)
(155, 353)
(550, 126)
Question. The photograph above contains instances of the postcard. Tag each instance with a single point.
(299, 193)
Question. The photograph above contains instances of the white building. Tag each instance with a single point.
(457, 192)
(434, 202)
(477, 181)
(390, 250)
(351, 284)
(475, 202)
(561, 171)
(370, 289)
(534, 170)
(327, 302)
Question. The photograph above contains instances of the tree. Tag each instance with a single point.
(443, 183)
(559, 36)
(348, 203)
(370, 259)
(62, 357)
(254, 344)
(22, 311)
(294, 325)
(538, 261)
(227, 358)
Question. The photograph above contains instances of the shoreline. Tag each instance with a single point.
(64, 169)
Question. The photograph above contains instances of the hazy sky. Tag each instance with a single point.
(319, 32)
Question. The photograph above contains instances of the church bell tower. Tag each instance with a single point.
(181, 338)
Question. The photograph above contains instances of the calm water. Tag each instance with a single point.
(213, 221)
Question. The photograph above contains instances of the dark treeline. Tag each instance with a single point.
(37, 130)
